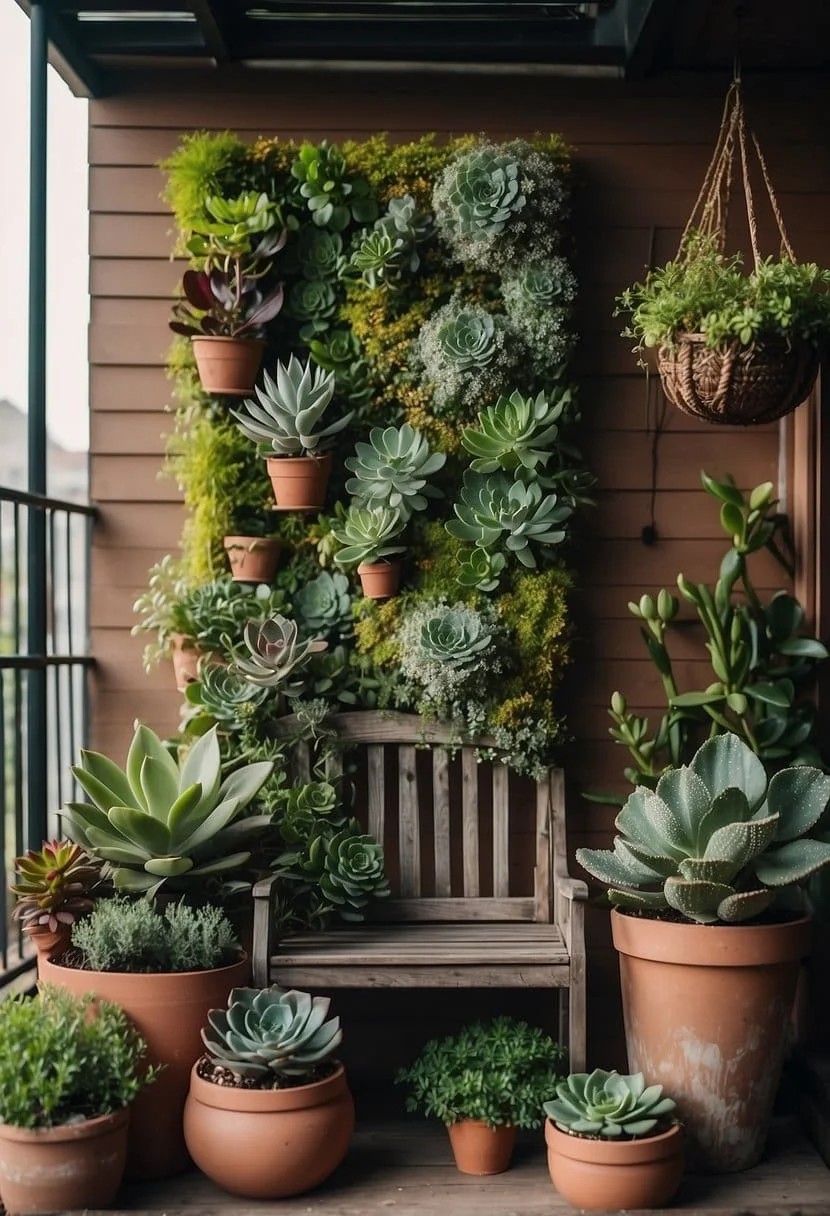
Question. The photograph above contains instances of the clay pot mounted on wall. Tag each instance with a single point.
(598, 1175)
(228, 367)
(479, 1149)
(380, 580)
(252, 559)
(185, 654)
(299, 482)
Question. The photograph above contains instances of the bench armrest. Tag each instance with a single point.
(572, 888)
(265, 934)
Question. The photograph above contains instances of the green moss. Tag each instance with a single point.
(375, 628)
(204, 163)
(535, 610)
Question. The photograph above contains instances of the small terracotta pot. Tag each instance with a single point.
(185, 655)
(252, 559)
(228, 366)
(299, 482)
(707, 1010)
(610, 1175)
(380, 580)
(57, 1169)
(49, 944)
(169, 1011)
(269, 1143)
(479, 1149)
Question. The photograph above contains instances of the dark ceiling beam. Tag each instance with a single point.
(212, 25)
(69, 58)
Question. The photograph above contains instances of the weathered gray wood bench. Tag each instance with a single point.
(454, 922)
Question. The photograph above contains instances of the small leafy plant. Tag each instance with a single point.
(499, 1072)
(217, 305)
(130, 935)
(609, 1106)
(64, 1059)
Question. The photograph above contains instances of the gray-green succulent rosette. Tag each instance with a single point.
(469, 357)
(538, 296)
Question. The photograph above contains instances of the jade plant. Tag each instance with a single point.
(368, 535)
(267, 1035)
(393, 470)
(610, 1106)
(160, 822)
(285, 418)
(717, 840)
(512, 518)
(53, 887)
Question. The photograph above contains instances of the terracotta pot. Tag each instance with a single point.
(707, 1009)
(609, 1175)
(479, 1149)
(269, 1143)
(299, 482)
(48, 943)
(57, 1169)
(169, 1011)
(252, 559)
(380, 580)
(228, 366)
(185, 654)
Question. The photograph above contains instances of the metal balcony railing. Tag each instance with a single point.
(44, 664)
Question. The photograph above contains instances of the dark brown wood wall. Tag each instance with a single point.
(639, 154)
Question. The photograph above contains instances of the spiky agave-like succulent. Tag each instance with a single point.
(366, 535)
(609, 1105)
(717, 839)
(324, 605)
(516, 433)
(453, 635)
(393, 468)
(277, 658)
(268, 1033)
(53, 885)
(161, 819)
(497, 514)
(286, 415)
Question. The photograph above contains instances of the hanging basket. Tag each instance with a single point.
(733, 384)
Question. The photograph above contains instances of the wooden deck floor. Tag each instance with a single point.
(404, 1168)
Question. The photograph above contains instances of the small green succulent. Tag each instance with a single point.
(314, 303)
(542, 285)
(497, 514)
(453, 635)
(393, 468)
(390, 249)
(332, 196)
(367, 534)
(350, 871)
(339, 351)
(306, 806)
(481, 569)
(276, 658)
(468, 339)
(320, 254)
(236, 226)
(609, 1106)
(286, 415)
(469, 356)
(324, 605)
(485, 191)
(269, 1033)
(223, 696)
(517, 432)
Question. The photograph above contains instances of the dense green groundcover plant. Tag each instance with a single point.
(130, 935)
(500, 1072)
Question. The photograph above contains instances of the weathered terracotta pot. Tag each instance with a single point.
(479, 1149)
(252, 559)
(185, 655)
(299, 482)
(707, 1009)
(269, 1143)
(58, 1169)
(610, 1175)
(228, 366)
(380, 580)
(50, 944)
(169, 1011)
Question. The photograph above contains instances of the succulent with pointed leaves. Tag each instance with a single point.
(349, 869)
(269, 1033)
(332, 196)
(481, 569)
(517, 432)
(225, 305)
(609, 1106)
(485, 191)
(285, 418)
(498, 515)
(367, 534)
(277, 658)
(53, 885)
(393, 468)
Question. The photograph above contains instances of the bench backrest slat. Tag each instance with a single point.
(469, 821)
(409, 826)
(376, 790)
(501, 830)
(441, 820)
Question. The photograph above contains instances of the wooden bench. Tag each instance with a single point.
(454, 922)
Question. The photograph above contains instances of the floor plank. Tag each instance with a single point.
(404, 1168)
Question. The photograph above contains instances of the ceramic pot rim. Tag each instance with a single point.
(502, 1127)
(157, 978)
(254, 542)
(376, 568)
(267, 1101)
(281, 462)
(237, 341)
(692, 945)
(89, 1128)
(614, 1152)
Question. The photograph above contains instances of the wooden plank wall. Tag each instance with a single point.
(639, 155)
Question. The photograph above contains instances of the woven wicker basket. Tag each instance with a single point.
(737, 385)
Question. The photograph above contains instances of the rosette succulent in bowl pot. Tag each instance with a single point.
(367, 538)
(269, 1112)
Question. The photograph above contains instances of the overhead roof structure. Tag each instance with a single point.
(95, 44)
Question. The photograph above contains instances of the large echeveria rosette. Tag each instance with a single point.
(469, 357)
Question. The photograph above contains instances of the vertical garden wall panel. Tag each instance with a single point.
(638, 154)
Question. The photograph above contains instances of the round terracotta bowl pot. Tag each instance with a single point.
(57, 1169)
(299, 482)
(269, 1143)
(479, 1149)
(228, 366)
(169, 1011)
(610, 1175)
(185, 655)
(380, 580)
(252, 559)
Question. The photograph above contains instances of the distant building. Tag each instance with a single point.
(67, 472)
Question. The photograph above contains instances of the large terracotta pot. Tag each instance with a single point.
(479, 1149)
(269, 1143)
(50, 944)
(252, 559)
(609, 1175)
(707, 1009)
(169, 1010)
(380, 580)
(228, 366)
(58, 1169)
(185, 655)
(299, 482)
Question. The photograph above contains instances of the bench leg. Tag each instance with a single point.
(576, 1016)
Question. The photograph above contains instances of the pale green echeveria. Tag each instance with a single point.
(349, 868)
(286, 416)
(222, 694)
(455, 636)
(314, 303)
(545, 284)
(503, 516)
(367, 535)
(716, 840)
(481, 569)
(468, 339)
(271, 1033)
(161, 819)
(276, 656)
(485, 191)
(324, 604)
(517, 432)
(609, 1105)
(393, 468)
(320, 254)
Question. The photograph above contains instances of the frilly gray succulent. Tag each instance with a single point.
(544, 284)
(277, 658)
(272, 1032)
(469, 356)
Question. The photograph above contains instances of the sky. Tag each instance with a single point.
(68, 301)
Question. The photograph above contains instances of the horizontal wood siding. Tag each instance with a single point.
(639, 153)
